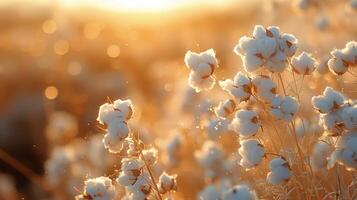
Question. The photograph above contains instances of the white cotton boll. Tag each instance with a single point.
(58, 165)
(201, 84)
(252, 153)
(346, 150)
(113, 145)
(349, 116)
(277, 63)
(284, 107)
(303, 64)
(252, 62)
(150, 156)
(280, 171)
(167, 183)
(275, 31)
(330, 101)
(118, 129)
(337, 66)
(267, 47)
(239, 192)
(288, 44)
(216, 127)
(264, 88)
(320, 155)
(100, 188)
(141, 185)
(131, 164)
(246, 45)
(192, 60)
(240, 87)
(209, 154)
(332, 122)
(172, 146)
(302, 128)
(224, 109)
(210, 192)
(125, 108)
(126, 179)
(107, 113)
(259, 32)
(246, 123)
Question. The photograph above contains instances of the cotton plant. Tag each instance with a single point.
(202, 66)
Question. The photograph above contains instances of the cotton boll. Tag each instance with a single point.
(344, 58)
(275, 31)
(241, 192)
(192, 60)
(131, 164)
(150, 156)
(259, 32)
(267, 47)
(252, 62)
(284, 107)
(279, 171)
(252, 153)
(100, 188)
(246, 45)
(303, 64)
(246, 123)
(288, 44)
(277, 63)
(240, 87)
(330, 101)
(107, 113)
(113, 145)
(167, 183)
(118, 129)
(320, 154)
(346, 150)
(172, 146)
(209, 156)
(349, 116)
(264, 88)
(224, 109)
(142, 185)
(200, 84)
(216, 127)
(124, 107)
(337, 66)
(210, 192)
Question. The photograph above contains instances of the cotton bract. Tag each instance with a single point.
(202, 66)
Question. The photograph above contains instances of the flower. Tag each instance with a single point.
(202, 66)
(330, 101)
(246, 123)
(268, 47)
(252, 153)
(224, 109)
(100, 188)
(303, 64)
(242, 192)
(167, 183)
(264, 88)
(240, 87)
(344, 58)
(284, 107)
(279, 171)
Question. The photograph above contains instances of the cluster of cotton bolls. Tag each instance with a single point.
(202, 66)
(268, 48)
(338, 115)
(343, 59)
(115, 116)
(136, 174)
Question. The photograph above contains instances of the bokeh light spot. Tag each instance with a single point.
(61, 47)
(113, 51)
(49, 26)
(51, 92)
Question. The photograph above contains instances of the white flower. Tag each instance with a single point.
(252, 153)
(344, 58)
(167, 183)
(100, 188)
(303, 64)
(217, 127)
(284, 107)
(239, 192)
(264, 88)
(268, 47)
(330, 101)
(202, 67)
(150, 156)
(246, 123)
(320, 155)
(279, 171)
(240, 87)
(224, 109)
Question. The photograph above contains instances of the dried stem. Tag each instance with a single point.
(151, 176)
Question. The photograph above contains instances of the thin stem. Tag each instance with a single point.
(24, 170)
(151, 176)
(297, 143)
(282, 83)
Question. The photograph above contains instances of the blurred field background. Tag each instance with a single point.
(70, 56)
